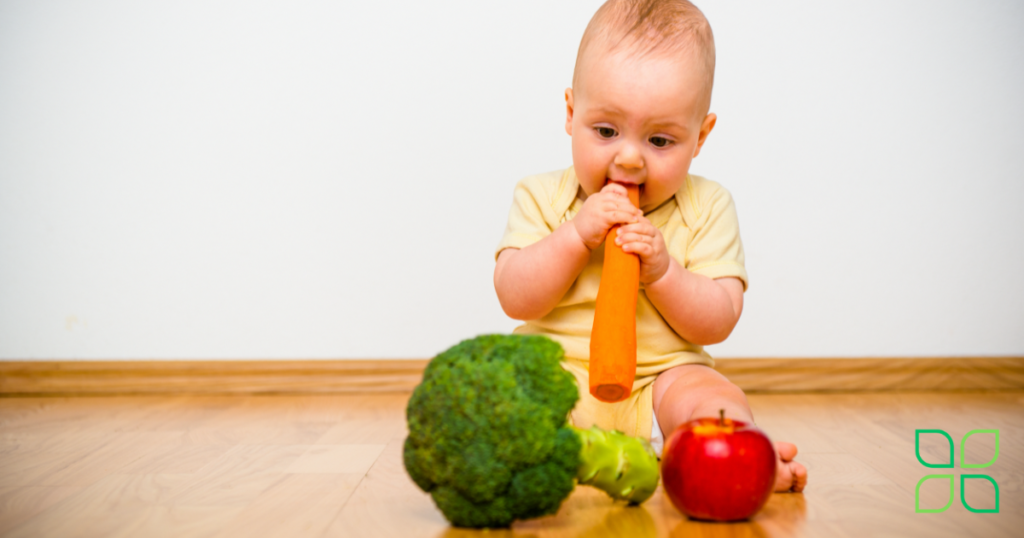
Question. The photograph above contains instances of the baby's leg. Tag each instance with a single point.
(693, 391)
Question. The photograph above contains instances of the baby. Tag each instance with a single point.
(637, 113)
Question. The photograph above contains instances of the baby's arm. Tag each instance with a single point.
(699, 309)
(531, 281)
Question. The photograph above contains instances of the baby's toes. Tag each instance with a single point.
(783, 477)
(799, 475)
(786, 451)
(789, 475)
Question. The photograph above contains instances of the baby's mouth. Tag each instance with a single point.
(640, 187)
(623, 183)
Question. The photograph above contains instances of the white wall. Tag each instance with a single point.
(287, 179)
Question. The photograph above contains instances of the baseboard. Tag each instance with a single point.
(59, 378)
(68, 378)
(875, 374)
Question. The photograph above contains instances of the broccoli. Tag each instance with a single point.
(488, 437)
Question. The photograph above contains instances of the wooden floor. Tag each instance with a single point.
(327, 466)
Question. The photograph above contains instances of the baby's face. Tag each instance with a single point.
(636, 119)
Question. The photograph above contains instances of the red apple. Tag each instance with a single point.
(718, 469)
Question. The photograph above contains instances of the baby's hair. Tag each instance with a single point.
(648, 26)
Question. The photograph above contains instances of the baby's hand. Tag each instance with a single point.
(645, 240)
(601, 211)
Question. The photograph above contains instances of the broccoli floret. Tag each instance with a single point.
(488, 437)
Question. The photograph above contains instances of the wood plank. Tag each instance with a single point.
(19, 504)
(73, 378)
(298, 505)
(154, 476)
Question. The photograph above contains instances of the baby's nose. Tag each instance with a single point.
(629, 157)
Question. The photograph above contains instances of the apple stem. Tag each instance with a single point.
(721, 417)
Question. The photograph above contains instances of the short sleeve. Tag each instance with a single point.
(533, 215)
(715, 249)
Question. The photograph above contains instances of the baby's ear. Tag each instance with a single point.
(705, 129)
(568, 111)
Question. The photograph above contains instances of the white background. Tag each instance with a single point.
(281, 179)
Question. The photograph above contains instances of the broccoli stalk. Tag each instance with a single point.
(624, 467)
(488, 437)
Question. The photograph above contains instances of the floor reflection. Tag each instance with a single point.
(784, 515)
(618, 522)
(624, 522)
(739, 529)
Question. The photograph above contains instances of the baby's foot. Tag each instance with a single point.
(790, 475)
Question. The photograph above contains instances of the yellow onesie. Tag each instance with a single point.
(701, 232)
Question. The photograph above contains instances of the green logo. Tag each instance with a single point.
(950, 477)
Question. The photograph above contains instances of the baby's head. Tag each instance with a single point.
(638, 107)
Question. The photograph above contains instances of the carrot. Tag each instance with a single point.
(613, 338)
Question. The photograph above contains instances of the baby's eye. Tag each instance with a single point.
(605, 132)
(660, 141)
